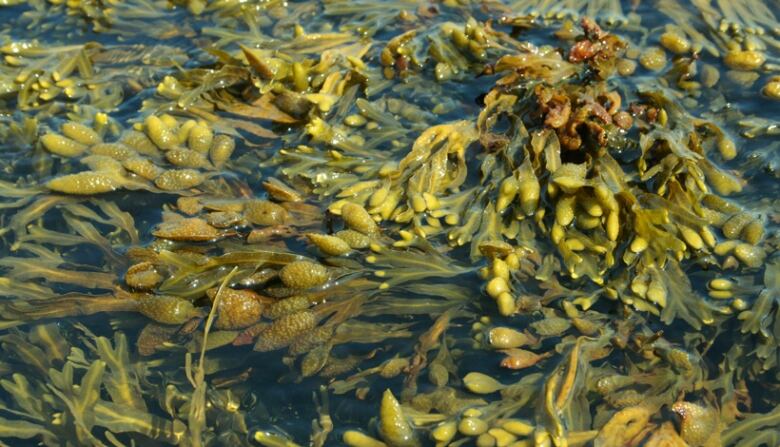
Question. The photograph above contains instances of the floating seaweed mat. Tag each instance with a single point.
(517, 223)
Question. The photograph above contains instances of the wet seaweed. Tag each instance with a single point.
(456, 223)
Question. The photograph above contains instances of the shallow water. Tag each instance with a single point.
(621, 345)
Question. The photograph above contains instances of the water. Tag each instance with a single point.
(442, 141)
